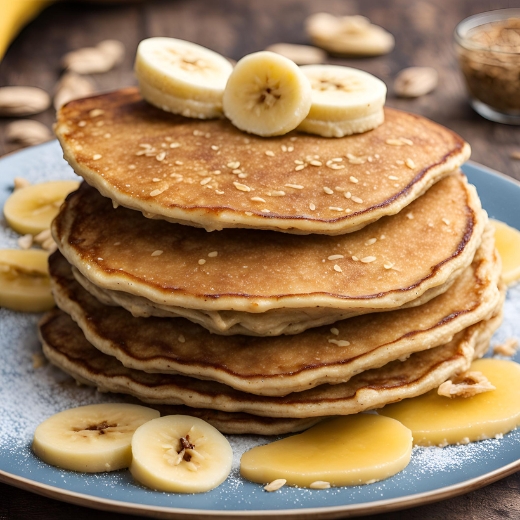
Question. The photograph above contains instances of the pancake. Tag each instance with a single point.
(210, 174)
(268, 283)
(283, 364)
(65, 346)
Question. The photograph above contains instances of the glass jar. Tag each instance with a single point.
(488, 49)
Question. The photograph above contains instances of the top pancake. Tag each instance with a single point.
(210, 174)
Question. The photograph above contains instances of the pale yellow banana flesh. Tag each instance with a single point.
(179, 453)
(507, 242)
(267, 95)
(24, 281)
(32, 209)
(93, 438)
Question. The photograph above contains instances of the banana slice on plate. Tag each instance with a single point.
(91, 438)
(182, 77)
(32, 209)
(179, 453)
(267, 94)
(345, 101)
(507, 242)
(24, 280)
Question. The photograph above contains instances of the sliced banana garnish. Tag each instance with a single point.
(91, 438)
(32, 209)
(179, 453)
(182, 77)
(24, 280)
(345, 101)
(507, 242)
(267, 94)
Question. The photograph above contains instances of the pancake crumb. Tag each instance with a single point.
(466, 384)
(508, 348)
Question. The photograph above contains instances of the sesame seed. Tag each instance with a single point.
(446, 221)
(96, 157)
(409, 142)
(269, 153)
(409, 215)
(275, 485)
(371, 241)
(213, 254)
(299, 167)
(157, 253)
(202, 261)
(335, 257)
(337, 268)
(257, 199)
(355, 258)
(335, 208)
(242, 175)
(388, 265)
(315, 163)
(214, 147)
(265, 211)
(312, 207)
(348, 195)
(368, 259)
(181, 339)
(237, 170)
(233, 165)
(353, 179)
(179, 163)
(216, 172)
(409, 162)
(327, 190)
(82, 124)
(241, 187)
(295, 186)
(334, 331)
(276, 193)
(382, 237)
(320, 484)
(175, 145)
(290, 149)
(337, 159)
(96, 112)
(155, 179)
(340, 342)
(100, 259)
(205, 181)
(394, 142)
(356, 199)
(297, 161)
(284, 148)
(393, 178)
(154, 193)
(219, 192)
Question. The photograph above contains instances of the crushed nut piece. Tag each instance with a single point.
(466, 384)
(275, 485)
(508, 348)
(20, 182)
(25, 242)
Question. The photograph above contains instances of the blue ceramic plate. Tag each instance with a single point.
(28, 395)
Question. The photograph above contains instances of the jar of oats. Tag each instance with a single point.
(488, 48)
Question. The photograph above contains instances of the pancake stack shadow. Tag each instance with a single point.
(265, 283)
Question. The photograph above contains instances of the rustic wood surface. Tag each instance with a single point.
(423, 31)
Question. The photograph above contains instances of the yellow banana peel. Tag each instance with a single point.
(14, 15)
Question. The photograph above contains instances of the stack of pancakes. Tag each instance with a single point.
(266, 283)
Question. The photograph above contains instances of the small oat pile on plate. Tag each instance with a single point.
(260, 243)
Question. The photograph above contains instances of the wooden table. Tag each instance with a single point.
(423, 32)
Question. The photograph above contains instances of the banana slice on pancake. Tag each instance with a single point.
(182, 77)
(24, 280)
(91, 438)
(32, 209)
(345, 101)
(267, 95)
(180, 453)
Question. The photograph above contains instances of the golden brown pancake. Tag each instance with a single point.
(65, 346)
(210, 174)
(283, 364)
(269, 283)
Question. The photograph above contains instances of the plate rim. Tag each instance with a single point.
(346, 510)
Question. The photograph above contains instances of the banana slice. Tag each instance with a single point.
(345, 101)
(267, 94)
(179, 453)
(507, 242)
(32, 209)
(91, 438)
(24, 280)
(182, 77)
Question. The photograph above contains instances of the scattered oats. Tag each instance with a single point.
(357, 200)
(156, 179)
(320, 484)
(25, 242)
(368, 259)
(290, 149)
(335, 208)
(205, 181)
(214, 147)
(299, 167)
(219, 192)
(334, 331)
(249, 213)
(409, 142)
(275, 485)
(399, 162)
(160, 156)
(327, 190)
(179, 163)
(241, 187)
(269, 153)
(446, 221)
(297, 161)
(108, 135)
(276, 193)
(315, 163)
(348, 195)
(355, 258)
(202, 261)
(353, 179)
(175, 145)
(312, 207)
(233, 165)
(257, 199)
(409, 162)
(20, 182)
(393, 178)
(466, 384)
(81, 124)
(284, 148)
(337, 268)
(96, 157)
(388, 265)
(216, 172)
(371, 241)
(158, 252)
(340, 342)
(154, 193)
(295, 186)
(181, 339)
(409, 215)
(508, 348)
(213, 254)
(335, 257)
(382, 237)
